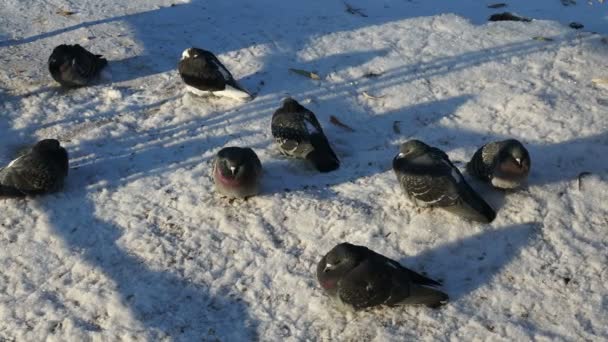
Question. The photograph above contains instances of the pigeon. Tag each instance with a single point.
(237, 172)
(429, 179)
(505, 164)
(298, 134)
(205, 75)
(358, 278)
(74, 66)
(40, 170)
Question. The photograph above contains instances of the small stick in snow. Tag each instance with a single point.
(372, 75)
(580, 179)
(366, 94)
(308, 74)
(600, 81)
(544, 39)
(396, 127)
(498, 5)
(334, 120)
(354, 11)
(506, 16)
(65, 13)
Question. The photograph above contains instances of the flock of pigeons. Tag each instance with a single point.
(353, 275)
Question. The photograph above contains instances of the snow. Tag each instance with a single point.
(139, 247)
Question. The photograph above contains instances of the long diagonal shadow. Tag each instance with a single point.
(165, 302)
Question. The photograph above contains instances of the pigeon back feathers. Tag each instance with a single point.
(74, 66)
(40, 170)
(361, 278)
(429, 178)
(203, 72)
(299, 134)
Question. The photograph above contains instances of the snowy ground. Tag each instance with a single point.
(139, 247)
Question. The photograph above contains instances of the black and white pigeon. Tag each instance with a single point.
(74, 66)
(237, 172)
(505, 164)
(357, 277)
(204, 75)
(40, 170)
(429, 179)
(298, 134)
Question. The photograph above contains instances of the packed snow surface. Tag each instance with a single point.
(138, 246)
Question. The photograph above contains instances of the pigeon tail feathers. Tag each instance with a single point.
(473, 207)
(426, 296)
(9, 191)
(234, 93)
(323, 157)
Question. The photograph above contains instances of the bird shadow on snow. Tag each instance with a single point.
(163, 300)
(467, 264)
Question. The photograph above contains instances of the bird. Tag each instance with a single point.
(358, 278)
(74, 66)
(42, 169)
(204, 74)
(429, 179)
(505, 164)
(298, 134)
(237, 172)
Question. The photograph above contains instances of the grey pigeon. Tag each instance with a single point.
(40, 170)
(74, 66)
(359, 278)
(237, 172)
(505, 164)
(429, 179)
(298, 134)
(204, 74)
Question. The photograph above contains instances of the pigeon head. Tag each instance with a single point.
(513, 158)
(47, 145)
(51, 149)
(291, 105)
(412, 148)
(191, 53)
(339, 260)
(61, 57)
(235, 162)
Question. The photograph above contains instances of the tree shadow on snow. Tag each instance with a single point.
(163, 299)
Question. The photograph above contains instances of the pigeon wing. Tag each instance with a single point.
(431, 179)
(28, 175)
(291, 133)
(366, 285)
(197, 73)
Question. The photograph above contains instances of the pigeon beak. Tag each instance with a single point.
(327, 267)
(518, 161)
(232, 169)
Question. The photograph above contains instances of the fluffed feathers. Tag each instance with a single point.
(429, 178)
(41, 170)
(74, 66)
(299, 134)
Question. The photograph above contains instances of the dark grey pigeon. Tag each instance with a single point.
(74, 66)
(40, 170)
(204, 74)
(237, 172)
(429, 179)
(298, 134)
(360, 278)
(505, 164)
